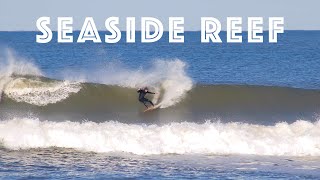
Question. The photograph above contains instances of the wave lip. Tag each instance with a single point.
(15, 66)
(23, 81)
(300, 138)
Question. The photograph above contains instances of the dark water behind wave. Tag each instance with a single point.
(293, 61)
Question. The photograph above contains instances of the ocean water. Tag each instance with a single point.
(226, 111)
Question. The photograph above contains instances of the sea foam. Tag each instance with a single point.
(301, 138)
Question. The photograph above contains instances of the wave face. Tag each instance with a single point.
(300, 138)
(52, 99)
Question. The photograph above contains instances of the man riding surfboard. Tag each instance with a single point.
(142, 92)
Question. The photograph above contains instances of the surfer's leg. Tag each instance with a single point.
(147, 100)
(150, 102)
(144, 102)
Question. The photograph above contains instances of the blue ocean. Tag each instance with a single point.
(225, 111)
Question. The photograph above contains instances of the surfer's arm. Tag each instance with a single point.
(150, 92)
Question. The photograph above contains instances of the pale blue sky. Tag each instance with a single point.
(22, 14)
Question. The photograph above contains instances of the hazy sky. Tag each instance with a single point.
(22, 14)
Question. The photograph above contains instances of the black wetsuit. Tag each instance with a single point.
(142, 99)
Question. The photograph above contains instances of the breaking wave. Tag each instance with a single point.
(301, 138)
(37, 92)
(23, 81)
(168, 78)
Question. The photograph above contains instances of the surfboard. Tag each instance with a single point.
(152, 108)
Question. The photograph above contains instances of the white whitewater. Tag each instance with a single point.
(301, 138)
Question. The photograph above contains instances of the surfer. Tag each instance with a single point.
(142, 92)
